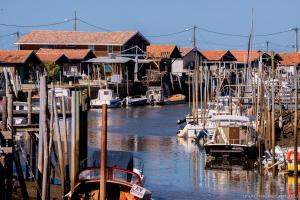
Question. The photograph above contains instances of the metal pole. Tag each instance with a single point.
(103, 153)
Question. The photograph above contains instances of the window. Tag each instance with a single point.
(109, 49)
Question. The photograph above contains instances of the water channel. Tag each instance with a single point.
(174, 168)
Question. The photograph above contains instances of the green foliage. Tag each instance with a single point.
(52, 70)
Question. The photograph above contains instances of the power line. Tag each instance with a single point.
(270, 34)
(92, 25)
(221, 33)
(170, 34)
(7, 35)
(37, 25)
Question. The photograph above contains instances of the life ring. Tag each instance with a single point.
(290, 155)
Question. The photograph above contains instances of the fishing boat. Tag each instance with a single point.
(155, 95)
(135, 101)
(233, 137)
(174, 99)
(123, 181)
(106, 96)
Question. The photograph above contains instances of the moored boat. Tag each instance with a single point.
(175, 99)
(106, 96)
(233, 137)
(135, 101)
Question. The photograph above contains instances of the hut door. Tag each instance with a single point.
(234, 136)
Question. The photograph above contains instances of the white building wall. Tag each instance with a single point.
(177, 67)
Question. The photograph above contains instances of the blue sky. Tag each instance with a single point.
(159, 17)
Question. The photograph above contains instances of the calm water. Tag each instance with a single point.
(174, 168)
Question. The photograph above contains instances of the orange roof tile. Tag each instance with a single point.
(241, 56)
(290, 58)
(216, 55)
(14, 56)
(72, 54)
(50, 57)
(75, 38)
(160, 51)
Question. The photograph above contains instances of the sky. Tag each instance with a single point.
(220, 24)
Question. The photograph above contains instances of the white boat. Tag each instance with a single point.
(135, 101)
(106, 96)
(233, 136)
(155, 95)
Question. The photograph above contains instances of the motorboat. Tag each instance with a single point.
(106, 96)
(233, 136)
(135, 101)
(175, 99)
(120, 184)
(155, 95)
(124, 179)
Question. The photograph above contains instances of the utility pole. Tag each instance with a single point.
(75, 22)
(296, 38)
(267, 45)
(194, 37)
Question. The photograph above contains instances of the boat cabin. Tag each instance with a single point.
(105, 94)
(155, 95)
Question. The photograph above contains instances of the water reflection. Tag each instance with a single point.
(175, 167)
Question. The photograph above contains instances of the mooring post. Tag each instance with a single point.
(28, 137)
(75, 137)
(44, 129)
(296, 140)
(9, 156)
(66, 153)
(103, 147)
(2, 160)
(59, 144)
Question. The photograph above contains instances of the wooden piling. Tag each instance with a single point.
(103, 153)
(60, 149)
(66, 150)
(2, 163)
(296, 140)
(28, 137)
(43, 139)
(273, 114)
(74, 137)
(20, 176)
(9, 156)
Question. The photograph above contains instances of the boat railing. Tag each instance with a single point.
(114, 174)
(237, 141)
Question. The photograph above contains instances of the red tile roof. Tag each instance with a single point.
(15, 56)
(50, 57)
(160, 51)
(76, 38)
(216, 55)
(242, 55)
(72, 54)
(290, 58)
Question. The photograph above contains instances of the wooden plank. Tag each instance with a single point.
(7, 135)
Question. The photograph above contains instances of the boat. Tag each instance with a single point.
(123, 182)
(233, 137)
(155, 95)
(175, 99)
(106, 96)
(135, 101)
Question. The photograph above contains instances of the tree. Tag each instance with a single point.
(52, 70)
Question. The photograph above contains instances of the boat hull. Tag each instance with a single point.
(174, 102)
(137, 103)
(231, 151)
